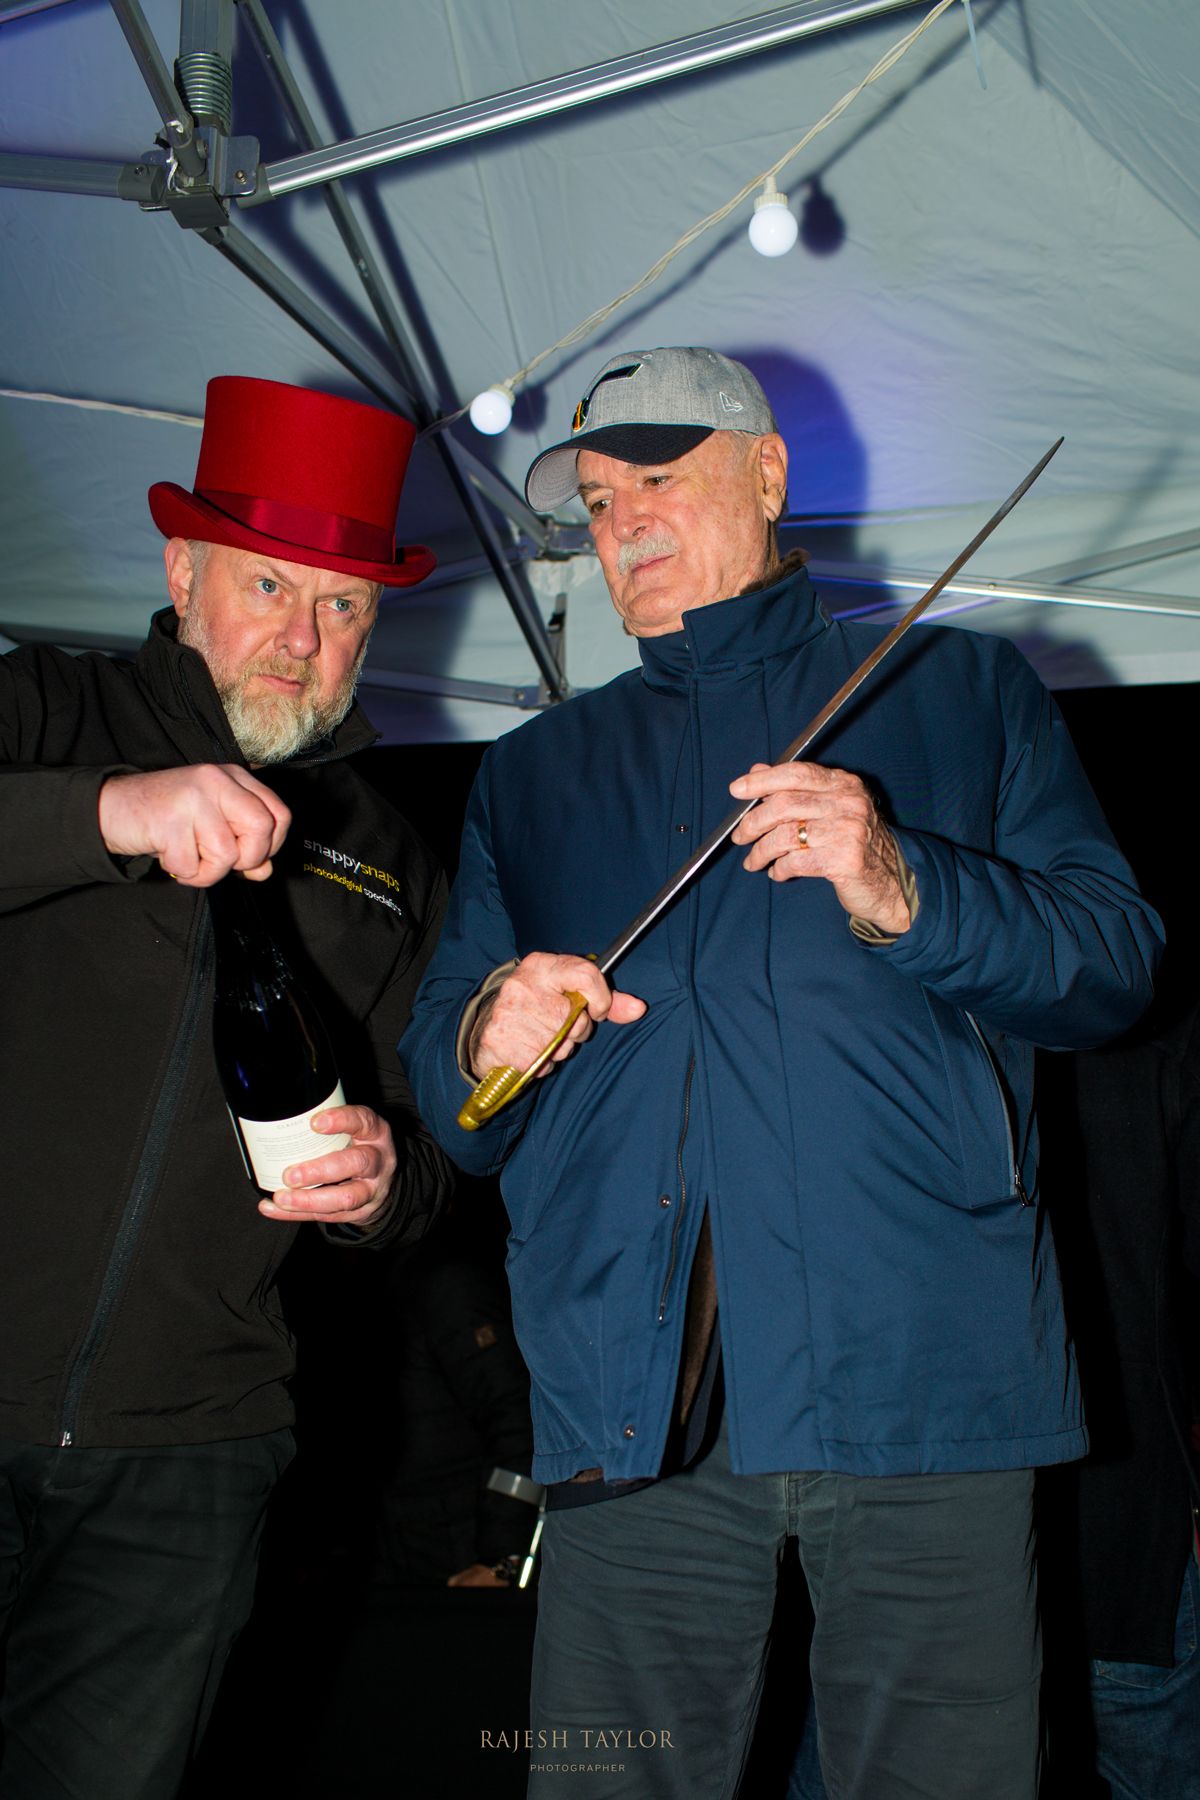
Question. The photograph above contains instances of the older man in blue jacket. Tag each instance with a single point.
(777, 1258)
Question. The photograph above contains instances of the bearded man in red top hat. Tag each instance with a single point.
(144, 1415)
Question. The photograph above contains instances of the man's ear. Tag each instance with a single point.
(772, 469)
(181, 573)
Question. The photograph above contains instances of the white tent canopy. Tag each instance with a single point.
(979, 270)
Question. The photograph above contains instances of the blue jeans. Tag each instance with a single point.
(655, 1609)
(1147, 1719)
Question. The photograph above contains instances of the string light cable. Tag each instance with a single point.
(491, 410)
(110, 406)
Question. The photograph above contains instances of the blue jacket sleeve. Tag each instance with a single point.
(476, 938)
(1047, 937)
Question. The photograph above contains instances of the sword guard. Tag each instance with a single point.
(501, 1085)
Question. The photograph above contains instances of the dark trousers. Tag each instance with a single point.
(125, 1576)
(655, 1608)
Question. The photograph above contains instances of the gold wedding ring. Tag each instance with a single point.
(802, 833)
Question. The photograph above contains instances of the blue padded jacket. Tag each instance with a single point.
(856, 1118)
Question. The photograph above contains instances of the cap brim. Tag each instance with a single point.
(178, 513)
(553, 479)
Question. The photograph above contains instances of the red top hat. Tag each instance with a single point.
(299, 475)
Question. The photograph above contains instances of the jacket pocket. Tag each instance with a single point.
(979, 1107)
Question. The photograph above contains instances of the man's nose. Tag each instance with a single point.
(298, 634)
(629, 516)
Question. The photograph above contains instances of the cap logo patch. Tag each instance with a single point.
(584, 407)
(728, 405)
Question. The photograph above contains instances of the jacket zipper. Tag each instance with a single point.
(683, 1131)
(1014, 1171)
(144, 1182)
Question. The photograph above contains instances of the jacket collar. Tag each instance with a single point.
(177, 680)
(734, 634)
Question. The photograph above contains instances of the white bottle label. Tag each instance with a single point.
(274, 1145)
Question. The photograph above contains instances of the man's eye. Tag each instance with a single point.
(266, 585)
(596, 507)
(341, 604)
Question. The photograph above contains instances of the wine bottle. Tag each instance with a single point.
(272, 1049)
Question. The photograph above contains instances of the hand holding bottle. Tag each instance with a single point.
(345, 1187)
(200, 821)
(281, 1082)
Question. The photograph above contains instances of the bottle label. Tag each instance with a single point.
(273, 1145)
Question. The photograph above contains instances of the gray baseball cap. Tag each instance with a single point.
(650, 406)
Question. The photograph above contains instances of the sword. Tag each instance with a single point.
(499, 1086)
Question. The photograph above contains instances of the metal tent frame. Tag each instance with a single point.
(199, 171)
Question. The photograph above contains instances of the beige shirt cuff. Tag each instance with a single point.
(863, 929)
(483, 994)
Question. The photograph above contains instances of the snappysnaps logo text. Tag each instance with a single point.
(353, 865)
(350, 872)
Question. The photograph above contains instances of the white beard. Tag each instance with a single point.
(269, 727)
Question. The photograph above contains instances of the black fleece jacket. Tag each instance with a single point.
(138, 1301)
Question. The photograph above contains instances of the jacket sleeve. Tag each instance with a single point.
(477, 938)
(49, 817)
(1047, 937)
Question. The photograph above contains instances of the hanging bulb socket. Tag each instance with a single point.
(773, 228)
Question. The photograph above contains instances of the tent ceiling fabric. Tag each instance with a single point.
(978, 271)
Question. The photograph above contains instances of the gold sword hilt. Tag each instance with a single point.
(499, 1086)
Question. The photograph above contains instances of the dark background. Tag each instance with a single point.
(337, 1694)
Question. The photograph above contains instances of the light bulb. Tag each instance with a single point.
(773, 229)
(491, 412)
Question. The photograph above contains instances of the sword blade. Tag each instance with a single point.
(705, 851)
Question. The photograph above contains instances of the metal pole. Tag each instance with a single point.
(302, 122)
(181, 130)
(983, 592)
(17, 9)
(449, 687)
(506, 498)
(77, 175)
(518, 106)
(1126, 556)
(245, 255)
(459, 465)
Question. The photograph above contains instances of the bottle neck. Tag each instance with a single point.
(243, 935)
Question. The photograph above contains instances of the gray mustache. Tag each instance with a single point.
(645, 549)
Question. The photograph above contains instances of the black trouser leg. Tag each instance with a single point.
(125, 1576)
